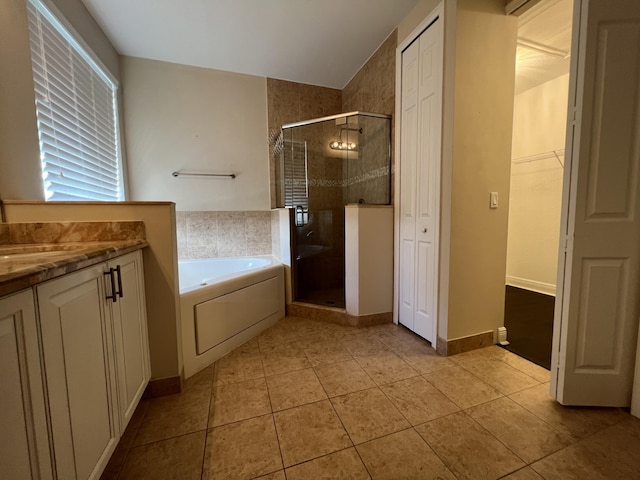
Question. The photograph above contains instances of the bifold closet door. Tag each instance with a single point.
(420, 154)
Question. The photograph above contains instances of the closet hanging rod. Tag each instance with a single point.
(540, 156)
(202, 174)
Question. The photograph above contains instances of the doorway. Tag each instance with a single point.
(537, 171)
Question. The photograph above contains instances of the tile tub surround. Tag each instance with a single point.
(223, 234)
(378, 403)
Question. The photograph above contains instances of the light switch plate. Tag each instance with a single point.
(493, 200)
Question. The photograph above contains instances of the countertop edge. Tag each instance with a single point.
(14, 282)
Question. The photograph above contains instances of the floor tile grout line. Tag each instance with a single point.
(353, 444)
(484, 381)
(392, 402)
(324, 455)
(493, 357)
(516, 471)
(160, 440)
(572, 445)
(204, 454)
(455, 403)
(273, 418)
(494, 436)
(571, 435)
(413, 427)
(482, 427)
(212, 393)
(131, 446)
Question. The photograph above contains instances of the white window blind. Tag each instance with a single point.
(77, 115)
(296, 181)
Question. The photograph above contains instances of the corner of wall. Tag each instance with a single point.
(481, 153)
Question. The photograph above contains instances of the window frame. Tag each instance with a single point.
(63, 27)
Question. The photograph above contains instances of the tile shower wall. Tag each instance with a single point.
(223, 234)
(373, 89)
(290, 102)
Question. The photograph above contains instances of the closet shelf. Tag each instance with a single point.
(541, 156)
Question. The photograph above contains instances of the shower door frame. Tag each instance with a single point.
(292, 236)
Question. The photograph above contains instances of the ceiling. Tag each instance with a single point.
(544, 43)
(319, 42)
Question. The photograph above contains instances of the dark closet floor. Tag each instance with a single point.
(528, 318)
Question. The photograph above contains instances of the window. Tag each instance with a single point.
(76, 109)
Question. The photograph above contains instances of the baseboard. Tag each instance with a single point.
(163, 386)
(539, 287)
(464, 344)
(336, 315)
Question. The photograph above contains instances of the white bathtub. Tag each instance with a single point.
(207, 271)
(225, 302)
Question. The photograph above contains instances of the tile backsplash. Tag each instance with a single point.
(223, 234)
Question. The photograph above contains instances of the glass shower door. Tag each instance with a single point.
(326, 164)
(313, 190)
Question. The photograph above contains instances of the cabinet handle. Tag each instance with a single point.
(113, 285)
(120, 294)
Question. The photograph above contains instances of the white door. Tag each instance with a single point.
(598, 277)
(420, 154)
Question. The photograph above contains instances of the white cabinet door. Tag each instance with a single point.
(420, 155)
(130, 333)
(24, 443)
(77, 346)
(599, 276)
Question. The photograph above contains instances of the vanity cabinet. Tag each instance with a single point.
(24, 442)
(129, 321)
(96, 360)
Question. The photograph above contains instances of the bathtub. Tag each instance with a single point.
(224, 302)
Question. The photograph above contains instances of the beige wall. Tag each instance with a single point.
(483, 112)
(21, 177)
(160, 265)
(535, 201)
(195, 119)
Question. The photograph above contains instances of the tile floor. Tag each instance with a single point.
(310, 400)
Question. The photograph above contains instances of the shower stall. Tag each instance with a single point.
(324, 165)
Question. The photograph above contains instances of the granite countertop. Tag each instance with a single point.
(26, 262)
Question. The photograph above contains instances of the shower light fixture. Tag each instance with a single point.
(340, 145)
